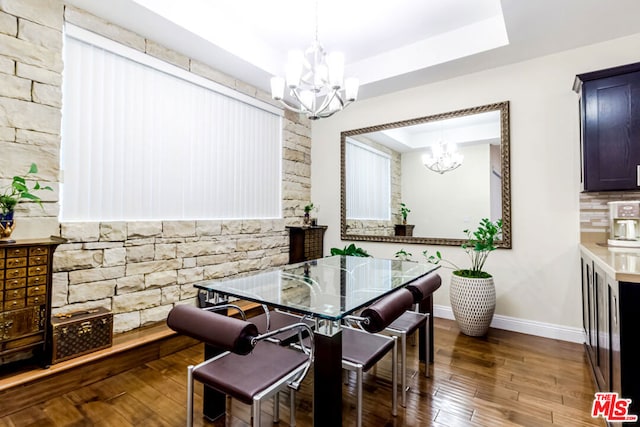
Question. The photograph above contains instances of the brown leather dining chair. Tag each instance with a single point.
(409, 322)
(362, 349)
(250, 369)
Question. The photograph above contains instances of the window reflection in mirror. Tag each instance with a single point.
(383, 166)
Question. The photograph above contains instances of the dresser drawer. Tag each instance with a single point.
(16, 262)
(2, 253)
(1, 263)
(36, 280)
(14, 304)
(16, 252)
(15, 294)
(37, 260)
(15, 273)
(36, 300)
(38, 250)
(36, 290)
(15, 283)
(37, 270)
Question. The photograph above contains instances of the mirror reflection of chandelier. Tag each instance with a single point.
(315, 81)
(443, 158)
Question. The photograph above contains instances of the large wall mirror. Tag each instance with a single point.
(383, 167)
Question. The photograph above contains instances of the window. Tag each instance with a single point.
(145, 140)
(368, 182)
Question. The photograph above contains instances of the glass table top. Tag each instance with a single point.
(328, 288)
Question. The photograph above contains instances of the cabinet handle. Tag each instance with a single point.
(638, 175)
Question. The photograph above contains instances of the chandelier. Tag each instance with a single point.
(443, 158)
(315, 80)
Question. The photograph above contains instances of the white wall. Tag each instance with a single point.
(537, 280)
(465, 189)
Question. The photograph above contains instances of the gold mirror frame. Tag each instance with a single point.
(503, 107)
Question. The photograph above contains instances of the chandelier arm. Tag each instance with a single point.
(290, 108)
(327, 101)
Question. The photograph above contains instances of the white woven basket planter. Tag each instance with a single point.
(473, 302)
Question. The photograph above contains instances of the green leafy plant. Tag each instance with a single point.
(351, 250)
(19, 190)
(404, 255)
(308, 208)
(478, 246)
(404, 211)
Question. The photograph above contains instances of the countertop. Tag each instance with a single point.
(623, 264)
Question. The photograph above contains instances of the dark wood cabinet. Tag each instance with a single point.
(404, 229)
(611, 318)
(306, 243)
(610, 128)
(25, 299)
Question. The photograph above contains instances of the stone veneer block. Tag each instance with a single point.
(232, 227)
(136, 301)
(170, 294)
(38, 74)
(190, 275)
(171, 56)
(208, 228)
(47, 94)
(244, 245)
(113, 231)
(126, 321)
(40, 35)
(186, 250)
(188, 291)
(178, 228)
(160, 279)
(95, 274)
(205, 71)
(140, 253)
(155, 314)
(59, 289)
(80, 231)
(38, 138)
(165, 251)
(129, 284)
(73, 260)
(220, 271)
(152, 267)
(15, 87)
(114, 257)
(92, 291)
(47, 13)
(142, 229)
(8, 24)
(29, 115)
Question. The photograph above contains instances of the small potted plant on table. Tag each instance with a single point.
(13, 194)
(404, 229)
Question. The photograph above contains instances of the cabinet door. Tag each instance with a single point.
(614, 327)
(611, 132)
(589, 307)
(603, 340)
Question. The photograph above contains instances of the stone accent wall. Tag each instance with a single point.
(594, 211)
(30, 100)
(139, 270)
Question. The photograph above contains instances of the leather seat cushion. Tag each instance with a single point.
(242, 377)
(364, 348)
(408, 322)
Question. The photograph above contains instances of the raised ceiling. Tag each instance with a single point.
(389, 45)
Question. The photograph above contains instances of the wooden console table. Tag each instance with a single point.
(306, 243)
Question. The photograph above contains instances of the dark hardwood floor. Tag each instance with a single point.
(504, 379)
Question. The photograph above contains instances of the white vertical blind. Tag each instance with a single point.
(368, 182)
(139, 143)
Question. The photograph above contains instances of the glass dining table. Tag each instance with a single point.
(326, 289)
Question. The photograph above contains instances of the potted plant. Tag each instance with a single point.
(403, 229)
(472, 292)
(13, 194)
(404, 211)
(351, 250)
(307, 211)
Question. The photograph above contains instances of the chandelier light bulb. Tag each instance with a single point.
(443, 158)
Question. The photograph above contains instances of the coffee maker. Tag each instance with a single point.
(624, 224)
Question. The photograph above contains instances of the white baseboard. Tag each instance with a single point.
(531, 327)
